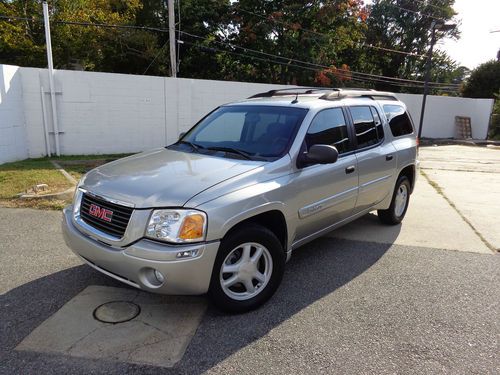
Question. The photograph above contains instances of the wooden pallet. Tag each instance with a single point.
(463, 127)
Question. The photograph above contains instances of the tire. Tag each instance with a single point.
(396, 212)
(239, 255)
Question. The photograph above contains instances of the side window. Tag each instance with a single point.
(399, 121)
(378, 124)
(364, 126)
(329, 128)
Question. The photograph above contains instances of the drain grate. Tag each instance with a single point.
(116, 312)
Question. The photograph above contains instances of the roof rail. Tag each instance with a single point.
(359, 93)
(330, 94)
(290, 91)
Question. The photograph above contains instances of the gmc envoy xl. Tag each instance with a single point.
(221, 210)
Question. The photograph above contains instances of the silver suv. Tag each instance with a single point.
(222, 209)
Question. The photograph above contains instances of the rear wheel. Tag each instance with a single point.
(248, 269)
(399, 204)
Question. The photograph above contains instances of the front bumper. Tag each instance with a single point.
(134, 264)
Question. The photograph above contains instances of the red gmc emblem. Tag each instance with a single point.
(100, 212)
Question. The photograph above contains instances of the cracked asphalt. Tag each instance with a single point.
(345, 306)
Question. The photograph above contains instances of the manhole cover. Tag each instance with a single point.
(116, 312)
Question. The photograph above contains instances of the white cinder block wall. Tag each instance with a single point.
(102, 113)
(440, 112)
(12, 123)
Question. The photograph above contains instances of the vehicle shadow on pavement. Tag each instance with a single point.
(315, 271)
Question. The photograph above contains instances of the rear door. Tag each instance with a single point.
(376, 156)
(326, 193)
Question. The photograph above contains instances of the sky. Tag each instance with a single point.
(476, 45)
(476, 18)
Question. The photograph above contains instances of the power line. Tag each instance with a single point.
(92, 24)
(392, 50)
(428, 4)
(364, 75)
(446, 89)
(415, 12)
(309, 63)
(346, 73)
(156, 56)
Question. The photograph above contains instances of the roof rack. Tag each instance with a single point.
(330, 94)
(357, 93)
(290, 91)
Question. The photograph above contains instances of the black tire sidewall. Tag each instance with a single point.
(403, 180)
(247, 233)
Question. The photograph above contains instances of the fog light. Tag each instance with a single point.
(159, 276)
(187, 253)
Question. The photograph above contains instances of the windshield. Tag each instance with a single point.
(248, 132)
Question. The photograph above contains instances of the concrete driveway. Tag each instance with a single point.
(421, 297)
(456, 204)
(469, 178)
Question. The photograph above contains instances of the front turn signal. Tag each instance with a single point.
(192, 228)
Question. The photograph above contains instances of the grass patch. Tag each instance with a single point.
(18, 177)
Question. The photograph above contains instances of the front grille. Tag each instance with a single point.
(119, 218)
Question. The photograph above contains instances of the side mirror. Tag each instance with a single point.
(318, 154)
(182, 135)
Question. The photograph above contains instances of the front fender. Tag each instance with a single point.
(231, 209)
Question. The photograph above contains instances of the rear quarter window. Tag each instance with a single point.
(399, 120)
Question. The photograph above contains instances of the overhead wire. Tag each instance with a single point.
(306, 62)
(345, 74)
(366, 76)
(429, 4)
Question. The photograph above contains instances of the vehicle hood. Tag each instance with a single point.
(162, 178)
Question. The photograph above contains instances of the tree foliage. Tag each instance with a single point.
(405, 25)
(484, 81)
(318, 42)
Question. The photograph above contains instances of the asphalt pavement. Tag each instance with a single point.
(345, 306)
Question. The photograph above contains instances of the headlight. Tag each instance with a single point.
(177, 226)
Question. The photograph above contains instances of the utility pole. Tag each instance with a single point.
(48, 42)
(435, 25)
(171, 36)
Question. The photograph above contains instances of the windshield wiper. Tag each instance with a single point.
(245, 154)
(194, 146)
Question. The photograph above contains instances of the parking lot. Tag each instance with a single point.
(421, 297)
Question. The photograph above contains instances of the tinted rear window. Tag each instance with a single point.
(364, 125)
(399, 121)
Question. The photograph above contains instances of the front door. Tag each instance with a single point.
(326, 193)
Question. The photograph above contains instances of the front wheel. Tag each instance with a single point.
(399, 204)
(248, 269)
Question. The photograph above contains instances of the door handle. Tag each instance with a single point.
(350, 169)
(389, 157)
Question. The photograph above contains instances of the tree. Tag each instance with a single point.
(297, 39)
(484, 81)
(22, 42)
(318, 42)
(404, 25)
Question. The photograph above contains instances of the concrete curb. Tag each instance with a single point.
(451, 141)
(69, 177)
(63, 195)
